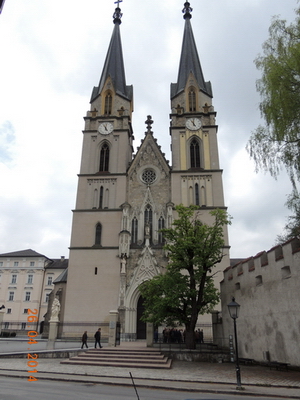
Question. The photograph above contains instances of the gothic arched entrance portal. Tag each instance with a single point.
(140, 325)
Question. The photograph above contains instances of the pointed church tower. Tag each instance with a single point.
(196, 177)
(123, 200)
(94, 267)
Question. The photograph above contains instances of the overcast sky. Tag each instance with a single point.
(52, 53)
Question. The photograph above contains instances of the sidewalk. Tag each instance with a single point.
(186, 376)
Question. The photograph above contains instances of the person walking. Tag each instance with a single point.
(98, 338)
(84, 340)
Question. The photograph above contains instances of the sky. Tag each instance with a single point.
(52, 54)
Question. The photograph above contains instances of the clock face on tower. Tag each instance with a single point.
(105, 128)
(193, 124)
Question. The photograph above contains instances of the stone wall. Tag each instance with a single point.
(267, 287)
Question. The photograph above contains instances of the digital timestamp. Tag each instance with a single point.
(32, 358)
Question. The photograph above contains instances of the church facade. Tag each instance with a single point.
(125, 198)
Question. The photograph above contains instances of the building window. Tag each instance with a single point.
(161, 225)
(197, 200)
(8, 311)
(285, 272)
(49, 280)
(195, 154)
(25, 311)
(104, 158)
(11, 296)
(148, 220)
(32, 263)
(14, 278)
(108, 104)
(47, 298)
(148, 176)
(258, 280)
(1, 263)
(192, 100)
(6, 325)
(30, 279)
(27, 296)
(98, 234)
(23, 326)
(134, 231)
(106, 197)
(101, 198)
(16, 263)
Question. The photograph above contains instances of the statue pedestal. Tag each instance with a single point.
(53, 327)
(114, 315)
(1, 320)
(149, 334)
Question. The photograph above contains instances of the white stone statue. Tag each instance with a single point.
(55, 310)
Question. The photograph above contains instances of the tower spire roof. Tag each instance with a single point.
(114, 63)
(189, 59)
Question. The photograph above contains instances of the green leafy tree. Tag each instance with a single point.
(277, 144)
(186, 289)
(292, 227)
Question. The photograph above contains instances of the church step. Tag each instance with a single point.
(135, 358)
(127, 364)
(155, 357)
(123, 356)
(120, 359)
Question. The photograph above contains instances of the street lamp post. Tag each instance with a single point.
(233, 308)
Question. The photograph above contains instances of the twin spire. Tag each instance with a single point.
(189, 60)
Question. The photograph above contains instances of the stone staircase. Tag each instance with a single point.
(122, 357)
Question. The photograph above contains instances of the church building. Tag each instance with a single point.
(124, 197)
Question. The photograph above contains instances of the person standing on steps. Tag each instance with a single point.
(98, 338)
(84, 340)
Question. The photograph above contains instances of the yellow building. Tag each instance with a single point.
(26, 281)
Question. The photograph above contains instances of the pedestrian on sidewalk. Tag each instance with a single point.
(97, 337)
(84, 340)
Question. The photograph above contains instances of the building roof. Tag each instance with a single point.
(114, 64)
(23, 253)
(189, 62)
(63, 277)
(58, 263)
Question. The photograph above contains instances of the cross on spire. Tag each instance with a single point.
(187, 10)
(149, 122)
(117, 14)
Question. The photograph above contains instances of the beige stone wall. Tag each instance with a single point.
(93, 287)
(267, 288)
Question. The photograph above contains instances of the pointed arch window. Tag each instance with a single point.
(101, 198)
(104, 158)
(106, 198)
(192, 100)
(161, 225)
(134, 231)
(148, 219)
(108, 104)
(195, 153)
(197, 201)
(98, 234)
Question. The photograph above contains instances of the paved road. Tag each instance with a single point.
(16, 389)
(187, 376)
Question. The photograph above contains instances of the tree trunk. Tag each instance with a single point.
(190, 342)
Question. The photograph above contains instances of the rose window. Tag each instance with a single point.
(148, 176)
